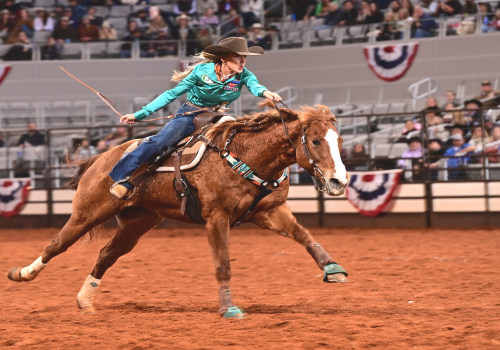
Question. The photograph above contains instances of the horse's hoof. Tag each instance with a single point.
(234, 312)
(336, 278)
(334, 273)
(16, 275)
(87, 309)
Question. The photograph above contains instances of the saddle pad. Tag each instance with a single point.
(191, 155)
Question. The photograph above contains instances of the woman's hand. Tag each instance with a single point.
(128, 119)
(273, 96)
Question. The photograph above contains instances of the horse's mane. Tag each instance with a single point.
(263, 120)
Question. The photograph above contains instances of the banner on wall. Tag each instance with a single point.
(371, 191)
(4, 71)
(13, 195)
(390, 62)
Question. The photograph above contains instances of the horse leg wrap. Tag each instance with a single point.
(319, 255)
(86, 293)
(225, 300)
(27, 273)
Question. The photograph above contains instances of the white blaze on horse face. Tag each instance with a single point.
(333, 140)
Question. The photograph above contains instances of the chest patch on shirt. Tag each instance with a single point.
(206, 79)
(233, 85)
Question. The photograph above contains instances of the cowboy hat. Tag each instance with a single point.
(181, 17)
(233, 45)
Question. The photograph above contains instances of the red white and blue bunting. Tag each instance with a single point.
(13, 195)
(390, 62)
(371, 191)
(4, 71)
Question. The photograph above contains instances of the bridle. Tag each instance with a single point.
(317, 175)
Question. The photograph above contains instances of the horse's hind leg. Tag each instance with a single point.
(281, 220)
(132, 224)
(75, 228)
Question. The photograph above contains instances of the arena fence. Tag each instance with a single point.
(426, 197)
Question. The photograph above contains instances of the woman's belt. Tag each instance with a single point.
(219, 108)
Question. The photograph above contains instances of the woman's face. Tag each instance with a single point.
(235, 63)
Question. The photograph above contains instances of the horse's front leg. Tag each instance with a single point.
(218, 238)
(281, 220)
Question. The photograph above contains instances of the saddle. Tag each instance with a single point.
(185, 155)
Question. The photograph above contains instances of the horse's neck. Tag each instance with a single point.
(269, 151)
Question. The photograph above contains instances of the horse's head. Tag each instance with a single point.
(319, 151)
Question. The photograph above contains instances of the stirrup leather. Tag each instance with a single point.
(119, 190)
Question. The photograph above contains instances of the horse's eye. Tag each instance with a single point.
(316, 142)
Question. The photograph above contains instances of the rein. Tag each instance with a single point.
(283, 122)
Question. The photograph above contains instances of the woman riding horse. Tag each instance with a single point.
(214, 82)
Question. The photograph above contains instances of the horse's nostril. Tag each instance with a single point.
(334, 182)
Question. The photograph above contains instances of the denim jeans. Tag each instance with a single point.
(174, 131)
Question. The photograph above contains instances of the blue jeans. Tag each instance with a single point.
(174, 131)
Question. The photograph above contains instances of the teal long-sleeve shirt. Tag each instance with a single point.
(203, 89)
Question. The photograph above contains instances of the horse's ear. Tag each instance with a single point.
(266, 103)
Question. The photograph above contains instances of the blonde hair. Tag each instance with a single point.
(201, 58)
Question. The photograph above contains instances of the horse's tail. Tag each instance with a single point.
(73, 183)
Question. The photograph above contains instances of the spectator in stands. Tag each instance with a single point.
(485, 11)
(107, 33)
(495, 23)
(57, 13)
(487, 93)
(225, 7)
(435, 153)
(450, 98)
(394, 7)
(52, 50)
(364, 12)
(408, 5)
(117, 137)
(389, 29)
(157, 24)
(271, 36)
(458, 157)
(186, 7)
(469, 8)
(358, 159)
(414, 151)
(492, 151)
(101, 146)
(164, 45)
(449, 8)
(209, 19)
(134, 35)
(376, 15)
(141, 18)
(7, 24)
(78, 11)
(21, 50)
(32, 138)
(24, 23)
(43, 22)
(64, 32)
(428, 7)
(251, 11)
(447, 116)
(207, 4)
(349, 14)
(11, 6)
(83, 151)
(302, 10)
(93, 17)
(256, 34)
(424, 25)
(68, 12)
(461, 121)
(477, 143)
(233, 22)
(410, 127)
(322, 8)
(185, 33)
(87, 31)
(2, 142)
(473, 111)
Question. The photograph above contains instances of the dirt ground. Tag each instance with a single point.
(423, 289)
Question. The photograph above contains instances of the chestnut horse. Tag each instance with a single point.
(307, 137)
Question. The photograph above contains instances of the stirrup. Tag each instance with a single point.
(119, 190)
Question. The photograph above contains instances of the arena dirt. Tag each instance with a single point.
(425, 289)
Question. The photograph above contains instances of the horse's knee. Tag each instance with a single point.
(223, 273)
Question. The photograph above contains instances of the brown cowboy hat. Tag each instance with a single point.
(233, 45)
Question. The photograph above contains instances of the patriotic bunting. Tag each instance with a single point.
(4, 71)
(390, 62)
(370, 192)
(13, 195)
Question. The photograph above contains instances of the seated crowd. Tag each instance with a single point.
(457, 136)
